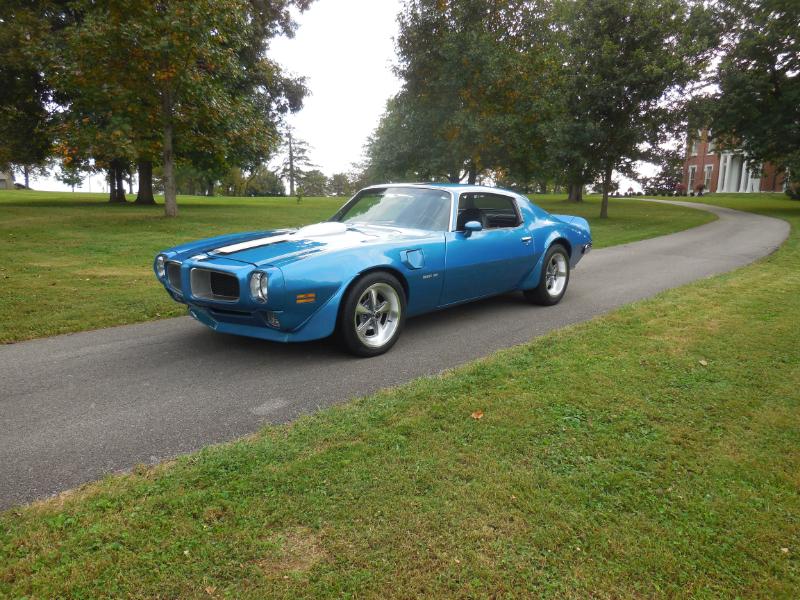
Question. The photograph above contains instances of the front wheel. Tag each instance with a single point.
(554, 279)
(373, 312)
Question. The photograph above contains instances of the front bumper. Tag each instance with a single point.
(256, 324)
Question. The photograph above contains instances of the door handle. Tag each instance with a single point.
(527, 239)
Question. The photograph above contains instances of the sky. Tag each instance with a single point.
(345, 49)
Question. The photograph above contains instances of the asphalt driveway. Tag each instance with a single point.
(75, 407)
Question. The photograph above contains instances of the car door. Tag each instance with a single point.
(490, 261)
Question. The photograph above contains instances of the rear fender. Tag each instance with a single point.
(532, 279)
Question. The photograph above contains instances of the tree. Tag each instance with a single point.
(265, 182)
(470, 96)
(627, 67)
(668, 179)
(757, 107)
(26, 132)
(313, 183)
(295, 160)
(340, 184)
(175, 79)
(70, 174)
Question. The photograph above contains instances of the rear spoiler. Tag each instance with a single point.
(578, 222)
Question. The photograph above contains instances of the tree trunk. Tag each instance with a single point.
(210, 188)
(113, 186)
(291, 167)
(575, 192)
(606, 186)
(121, 184)
(145, 193)
(26, 172)
(472, 174)
(170, 193)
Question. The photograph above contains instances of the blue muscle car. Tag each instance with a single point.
(393, 251)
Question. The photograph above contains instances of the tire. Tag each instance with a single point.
(551, 289)
(372, 315)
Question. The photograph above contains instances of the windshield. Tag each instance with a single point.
(415, 208)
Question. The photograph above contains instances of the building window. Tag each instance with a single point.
(707, 177)
(694, 147)
(711, 146)
(690, 187)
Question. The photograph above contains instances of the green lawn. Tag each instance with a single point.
(649, 453)
(70, 262)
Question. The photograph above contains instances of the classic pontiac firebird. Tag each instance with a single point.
(393, 251)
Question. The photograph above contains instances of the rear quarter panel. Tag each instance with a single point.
(546, 229)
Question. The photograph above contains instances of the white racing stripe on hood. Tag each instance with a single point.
(253, 244)
(317, 230)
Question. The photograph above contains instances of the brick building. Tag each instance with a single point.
(726, 171)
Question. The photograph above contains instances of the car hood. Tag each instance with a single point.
(282, 246)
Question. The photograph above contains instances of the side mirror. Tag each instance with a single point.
(471, 227)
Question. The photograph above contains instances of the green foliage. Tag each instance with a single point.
(470, 96)
(531, 92)
(26, 135)
(265, 182)
(627, 67)
(341, 184)
(135, 81)
(295, 160)
(757, 108)
(71, 174)
(313, 183)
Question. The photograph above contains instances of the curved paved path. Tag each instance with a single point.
(75, 407)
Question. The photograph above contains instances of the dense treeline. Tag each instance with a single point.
(526, 93)
(124, 85)
(566, 92)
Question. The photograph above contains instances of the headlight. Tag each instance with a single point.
(258, 286)
(161, 269)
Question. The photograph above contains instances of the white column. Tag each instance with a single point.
(729, 175)
(743, 176)
(723, 161)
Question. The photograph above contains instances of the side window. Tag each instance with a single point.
(492, 210)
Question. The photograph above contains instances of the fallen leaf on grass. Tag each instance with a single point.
(785, 550)
(477, 415)
(210, 590)
(703, 362)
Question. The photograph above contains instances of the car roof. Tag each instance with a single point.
(459, 187)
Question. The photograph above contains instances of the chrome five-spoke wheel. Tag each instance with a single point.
(554, 279)
(556, 274)
(377, 315)
(372, 314)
